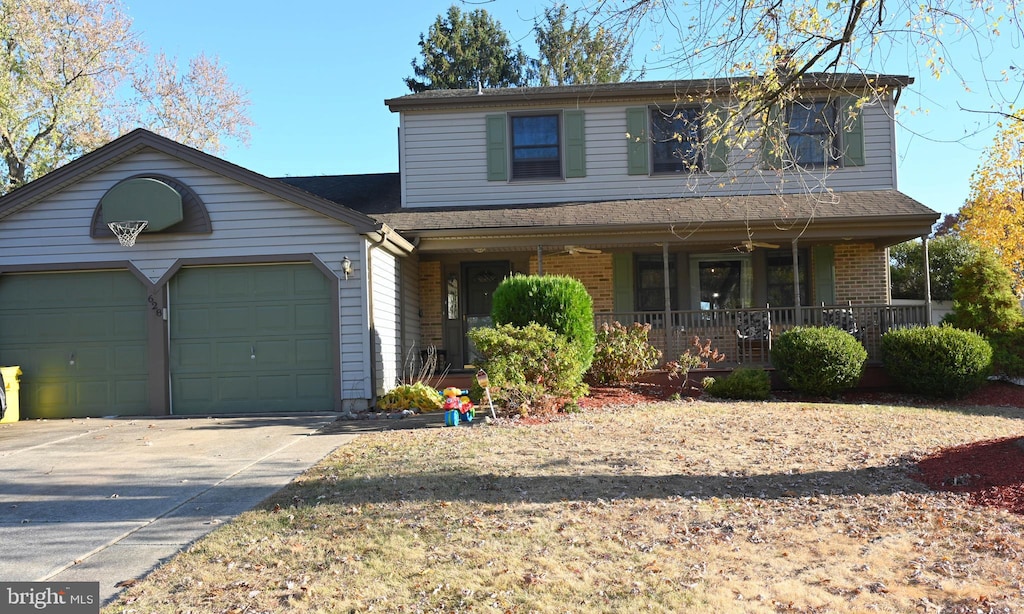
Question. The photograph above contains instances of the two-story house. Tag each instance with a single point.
(250, 294)
(634, 189)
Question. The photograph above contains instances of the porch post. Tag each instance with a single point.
(540, 260)
(927, 283)
(796, 282)
(670, 349)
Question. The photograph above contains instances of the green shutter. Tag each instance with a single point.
(637, 147)
(622, 282)
(497, 148)
(717, 150)
(774, 140)
(824, 275)
(852, 120)
(575, 144)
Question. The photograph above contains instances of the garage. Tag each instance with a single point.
(252, 338)
(80, 339)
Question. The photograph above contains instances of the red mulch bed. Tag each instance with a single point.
(991, 472)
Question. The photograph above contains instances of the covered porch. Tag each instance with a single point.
(704, 267)
(730, 331)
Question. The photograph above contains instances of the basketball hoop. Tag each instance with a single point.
(127, 232)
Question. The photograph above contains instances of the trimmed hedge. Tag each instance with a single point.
(819, 360)
(557, 302)
(743, 383)
(937, 361)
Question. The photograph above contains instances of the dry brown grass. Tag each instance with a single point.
(700, 507)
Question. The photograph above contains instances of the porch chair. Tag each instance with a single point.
(843, 319)
(753, 332)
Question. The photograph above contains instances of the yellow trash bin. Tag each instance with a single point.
(11, 386)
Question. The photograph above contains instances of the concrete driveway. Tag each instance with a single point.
(109, 499)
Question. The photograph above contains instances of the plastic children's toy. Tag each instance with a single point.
(457, 407)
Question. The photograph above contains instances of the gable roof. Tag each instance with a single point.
(626, 90)
(141, 139)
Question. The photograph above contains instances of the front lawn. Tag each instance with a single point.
(668, 507)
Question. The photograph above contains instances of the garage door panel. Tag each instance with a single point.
(233, 354)
(232, 282)
(75, 335)
(190, 390)
(274, 353)
(198, 355)
(271, 318)
(312, 386)
(190, 321)
(276, 387)
(93, 394)
(310, 352)
(313, 316)
(126, 356)
(253, 310)
(311, 283)
(234, 389)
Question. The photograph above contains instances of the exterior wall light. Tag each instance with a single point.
(346, 266)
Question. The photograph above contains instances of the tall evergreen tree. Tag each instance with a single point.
(464, 50)
(572, 54)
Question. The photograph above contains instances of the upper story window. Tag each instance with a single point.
(675, 140)
(535, 146)
(669, 140)
(813, 138)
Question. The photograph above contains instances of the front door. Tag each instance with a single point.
(480, 279)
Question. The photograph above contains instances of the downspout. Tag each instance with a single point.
(796, 281)
(540, 260)
(927, 283)
(669, 340)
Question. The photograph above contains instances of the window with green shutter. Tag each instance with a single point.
(497, 149)
(636, 141)
(814, 133)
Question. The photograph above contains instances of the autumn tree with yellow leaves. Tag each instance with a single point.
(993, 215)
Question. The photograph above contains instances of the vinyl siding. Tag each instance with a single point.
(444, 161)
(410, 305)
(246, 223)
(385, 284)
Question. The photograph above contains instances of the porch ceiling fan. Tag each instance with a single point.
(748, 245)
(573, 250)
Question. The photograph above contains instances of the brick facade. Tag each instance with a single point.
(593, 270)
(862, 273)
(432, 305)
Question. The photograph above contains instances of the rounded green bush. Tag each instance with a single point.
(819, 360)
(937, 361)
(743, 383)
(557, 302)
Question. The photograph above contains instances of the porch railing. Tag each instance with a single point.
(866, 322)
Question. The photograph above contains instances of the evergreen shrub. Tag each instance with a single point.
(743, 384)
(557, 302)
(936, 361)
(819, 360)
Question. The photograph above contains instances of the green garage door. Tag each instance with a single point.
(80, 339)
(250, 339)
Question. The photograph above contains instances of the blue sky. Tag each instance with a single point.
(318, 71)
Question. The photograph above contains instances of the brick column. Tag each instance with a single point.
(432, 304)
(862, 273)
